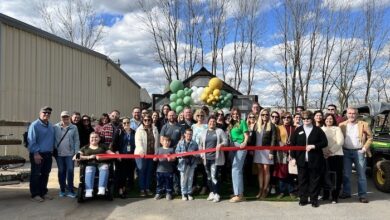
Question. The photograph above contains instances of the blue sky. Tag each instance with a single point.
(125, 39)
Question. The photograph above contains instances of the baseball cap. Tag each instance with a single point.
(65, 113)
(46, 109)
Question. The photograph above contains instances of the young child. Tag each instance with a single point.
(187, 164)
(165, 169)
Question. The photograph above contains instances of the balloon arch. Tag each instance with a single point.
(211, 95)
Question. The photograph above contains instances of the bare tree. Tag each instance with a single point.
(217, 15)
(162, 22)
(247, 26)
(193, 26)
(328, 60)
(350, 59)
(74, 20)
(375, 35)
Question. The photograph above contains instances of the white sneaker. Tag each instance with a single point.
(217, 198)
(184, 198)
(190, 197)
(88, 193)
(101, 191)
(211, 197)
(273, 191)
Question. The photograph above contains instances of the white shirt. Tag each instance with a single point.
(307, 129)
(352, 137)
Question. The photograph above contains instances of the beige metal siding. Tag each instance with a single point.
(36, 71)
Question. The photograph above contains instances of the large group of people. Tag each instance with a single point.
(330, 145)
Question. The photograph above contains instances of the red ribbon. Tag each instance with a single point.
(151, 156)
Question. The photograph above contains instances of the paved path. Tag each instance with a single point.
(15, 204)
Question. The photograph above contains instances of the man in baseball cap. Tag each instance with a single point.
(40, 146)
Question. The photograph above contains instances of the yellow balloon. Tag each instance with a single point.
(207, 90)
(215, 83)
(216, 98)
(203, 97)
(217, 92)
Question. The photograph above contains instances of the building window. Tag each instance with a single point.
(108, 80)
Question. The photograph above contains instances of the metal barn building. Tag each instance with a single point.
(38, 68)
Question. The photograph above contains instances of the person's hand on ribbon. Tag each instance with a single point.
(310, 147)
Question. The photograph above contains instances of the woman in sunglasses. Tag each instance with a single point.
(85, 130)
(221, 120)
(282, 157)
(146, 142)
(124, 143)
(266, 135)
(198, 129)
(311, 161)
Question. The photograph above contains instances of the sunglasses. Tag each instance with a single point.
(46, 113)
(251, 117)
(125, 123)
(306, 118)
(274, 116)
(264, 114)
(286, 117)
(147, 119)
(200, 116)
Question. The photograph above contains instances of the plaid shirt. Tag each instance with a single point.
(107, 133)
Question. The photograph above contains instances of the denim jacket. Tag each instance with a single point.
(188, 160)
(73, 135)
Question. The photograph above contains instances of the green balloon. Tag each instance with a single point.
(223, 92)
(173, 105)
(179, 109)
(190, 90)
(179, 101)
(173, 97)
(176, 85)
(187, 100)
(230, 96)
(228, 104)
(180, 94)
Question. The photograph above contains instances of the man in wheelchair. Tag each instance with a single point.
(89, 163)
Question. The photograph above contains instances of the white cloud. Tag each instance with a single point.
(355, 4)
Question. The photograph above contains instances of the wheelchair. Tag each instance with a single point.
(109, 193)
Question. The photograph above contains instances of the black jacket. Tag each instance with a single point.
(317, 138)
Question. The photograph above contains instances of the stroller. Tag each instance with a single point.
(109, 194)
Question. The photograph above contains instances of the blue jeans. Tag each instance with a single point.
(144, 168)
(353, 156)
(164, 183)
(237, 173)
(65, 172)
(186, 179)
(212, 171)
(285, 186)
(39, 176)
(90, 176)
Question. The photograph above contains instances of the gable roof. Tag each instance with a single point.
(44, 34)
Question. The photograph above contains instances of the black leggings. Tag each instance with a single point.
(335, 164)
(124, 171)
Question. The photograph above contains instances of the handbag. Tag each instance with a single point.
(292, 168)
(55, 151)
